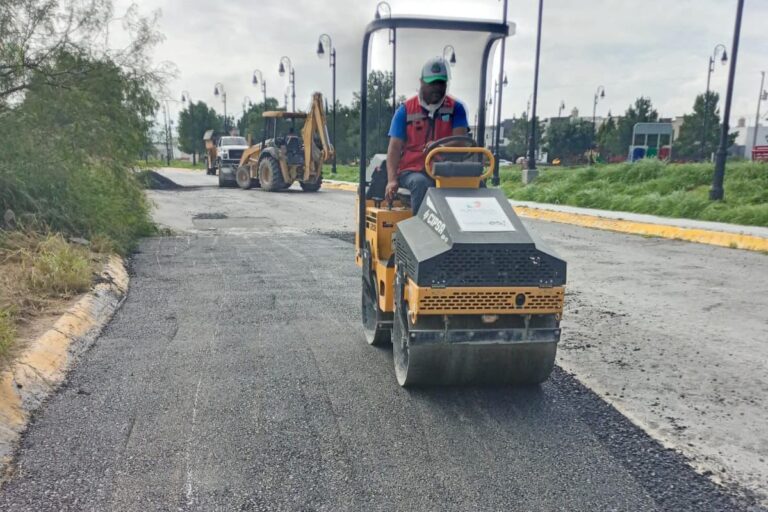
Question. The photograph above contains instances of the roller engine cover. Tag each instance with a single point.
(473, 238)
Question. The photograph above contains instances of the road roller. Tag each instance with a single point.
(461, 290)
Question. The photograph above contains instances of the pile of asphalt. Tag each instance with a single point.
(155, 181)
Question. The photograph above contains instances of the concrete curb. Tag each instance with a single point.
(339, 185)
(42, 366)
(702, 236)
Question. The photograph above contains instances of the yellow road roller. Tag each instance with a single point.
(461, 290)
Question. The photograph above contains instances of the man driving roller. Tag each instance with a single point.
(426, 117)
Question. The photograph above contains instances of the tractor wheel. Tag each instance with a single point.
(243, 177)
(375, 332)
(270, 176)
(312, 186)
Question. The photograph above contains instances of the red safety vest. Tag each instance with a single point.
(421, 130)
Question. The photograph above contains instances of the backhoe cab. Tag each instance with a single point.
(461, 290)
(280, 159)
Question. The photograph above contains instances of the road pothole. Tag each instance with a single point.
(210, 216)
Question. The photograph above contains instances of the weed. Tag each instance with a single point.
(58, 269)
(7, 332)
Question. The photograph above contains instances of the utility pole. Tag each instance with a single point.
(717, 193)
(532, 172)
(495, 179)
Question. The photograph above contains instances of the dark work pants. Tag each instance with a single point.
(417, 183)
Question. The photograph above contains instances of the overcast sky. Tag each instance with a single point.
(656, 48)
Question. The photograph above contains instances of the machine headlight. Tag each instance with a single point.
(225, 155)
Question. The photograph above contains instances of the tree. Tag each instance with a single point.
(517, 131)
(609, 140)
(688, 144)
(252, 122)
(641, 112)
(568, 139)
(53, 42)
(193, 123)
(379, 113)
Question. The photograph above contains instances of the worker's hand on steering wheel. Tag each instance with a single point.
(391, 190)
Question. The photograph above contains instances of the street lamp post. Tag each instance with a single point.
(247, 104)
(497, 134)
(710, 69)
(532, 172)
(291, 78)
(384, 6)
(599, 94)
(762, 96)
(258, 78)
(495, 180)
(717, 193)
(218, 90)
(449, 54)
(187, 98)
(560, 109)
(528, 124)
(332, 63)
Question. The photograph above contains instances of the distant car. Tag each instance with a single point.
(504, 163)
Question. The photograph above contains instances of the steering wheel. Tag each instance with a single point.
(453, 141)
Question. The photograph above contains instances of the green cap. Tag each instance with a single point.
(435, 70)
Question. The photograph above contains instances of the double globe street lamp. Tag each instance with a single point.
(325, 38)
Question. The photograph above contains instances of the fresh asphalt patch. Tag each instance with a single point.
(236, 377)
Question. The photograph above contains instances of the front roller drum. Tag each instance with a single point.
(376, 326)
(457, 363)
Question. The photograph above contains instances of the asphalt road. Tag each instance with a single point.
(236, 377)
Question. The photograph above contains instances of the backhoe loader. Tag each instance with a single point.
(281, 159)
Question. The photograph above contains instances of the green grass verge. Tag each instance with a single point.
(343, 173)
(651, 187)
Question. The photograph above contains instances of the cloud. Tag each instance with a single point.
(654, 48)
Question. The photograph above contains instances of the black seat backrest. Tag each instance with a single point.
(378, 186)
(458, 169)
(295, 155)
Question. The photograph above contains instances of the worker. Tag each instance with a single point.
(426, 117)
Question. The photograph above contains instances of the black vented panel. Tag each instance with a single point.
(404, 256)
(235, 154)
(492, 266)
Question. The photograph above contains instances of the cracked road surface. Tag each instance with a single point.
(236, 377)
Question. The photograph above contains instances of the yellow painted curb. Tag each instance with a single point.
(349, 187)
(702, 236)
(42, 366)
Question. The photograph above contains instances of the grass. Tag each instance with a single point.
(36, 271)
(7, 332)
(179, 164)
(651, 187)
(343, 173)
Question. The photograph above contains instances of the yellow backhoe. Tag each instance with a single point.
(280, 159)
